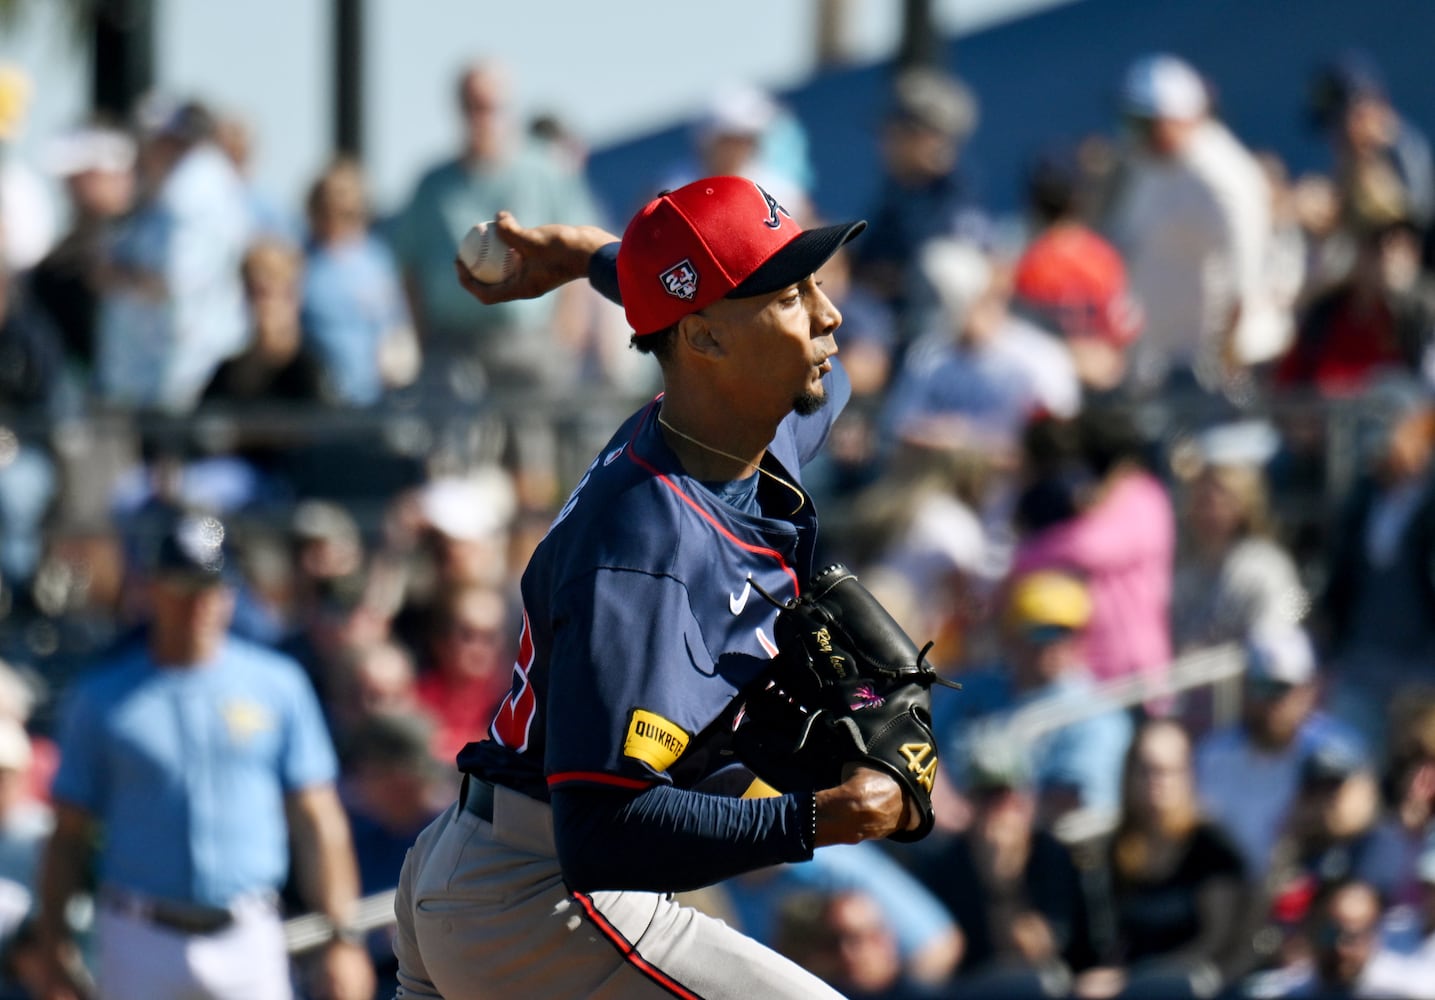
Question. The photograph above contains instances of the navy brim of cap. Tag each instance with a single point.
(1045, 635)
(190, 578)
(798, 260)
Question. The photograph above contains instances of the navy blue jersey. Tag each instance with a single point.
(640, 624)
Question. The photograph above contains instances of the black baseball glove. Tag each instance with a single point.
(847, 687)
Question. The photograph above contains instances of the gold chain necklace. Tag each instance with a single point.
(801, 498)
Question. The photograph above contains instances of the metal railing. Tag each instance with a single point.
(416, 424)
(1218, 668)
(314, 930)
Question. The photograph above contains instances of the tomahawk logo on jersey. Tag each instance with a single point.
(636, 642)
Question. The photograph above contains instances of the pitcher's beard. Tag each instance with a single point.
(808, 403)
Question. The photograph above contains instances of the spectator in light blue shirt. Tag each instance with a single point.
(199, 758)
(354, 312)
(978, 372)
(512, 343)
(1248, 773)
(1044, 698)
(173, 308)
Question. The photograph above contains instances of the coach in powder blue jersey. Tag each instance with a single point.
(196, 757)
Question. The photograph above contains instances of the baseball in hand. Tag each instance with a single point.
(484, 253)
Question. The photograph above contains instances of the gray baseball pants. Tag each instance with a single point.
(483, 913)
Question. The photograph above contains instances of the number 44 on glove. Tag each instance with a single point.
(847, 687)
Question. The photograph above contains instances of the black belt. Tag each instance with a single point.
(476, 797)
(186, 918)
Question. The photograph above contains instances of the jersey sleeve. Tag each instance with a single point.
(631, 680)
(80, 779)
(603, 273)
(666, 839)
(308, 756)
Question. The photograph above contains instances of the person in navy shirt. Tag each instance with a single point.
(606, 781)
(199, 758)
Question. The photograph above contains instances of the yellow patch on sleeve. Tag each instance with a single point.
(654, 740)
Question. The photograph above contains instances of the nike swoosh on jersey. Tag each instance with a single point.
(736, 604)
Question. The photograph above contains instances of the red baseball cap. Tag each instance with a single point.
(719, 237)
(1075, 283)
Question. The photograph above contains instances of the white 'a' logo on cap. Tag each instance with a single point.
(681, 280)
(774, 210)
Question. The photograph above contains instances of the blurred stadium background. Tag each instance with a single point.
(1243, 535)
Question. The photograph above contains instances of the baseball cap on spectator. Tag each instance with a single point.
(1053, 182)
(718, 237)
(1239, 442)
(1332, 763)
(1047, 605)
(471, 508)
(322, 520)
(958, 272)
(1072, 282)
(1164, 87)
(16, 753)
(392, 739)
(19, 692)
(1350, 76)
(192, 548)
(92, 148)
(1280, 655)
(933, 100)
(996, 763)
(737, 111)
(159, 115)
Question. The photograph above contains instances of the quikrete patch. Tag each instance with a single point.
(654, 740)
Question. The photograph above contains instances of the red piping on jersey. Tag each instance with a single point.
(629, 951)
(519, 704)
(662, 478)
(597, 777)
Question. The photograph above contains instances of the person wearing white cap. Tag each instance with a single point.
(172, 307)
(1194, 222)
(733, 137)
(1248, 774)
(96, 163)
(1231, 572)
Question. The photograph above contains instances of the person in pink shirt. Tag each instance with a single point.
(1091, 507)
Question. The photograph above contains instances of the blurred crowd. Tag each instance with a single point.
(1180, 407)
